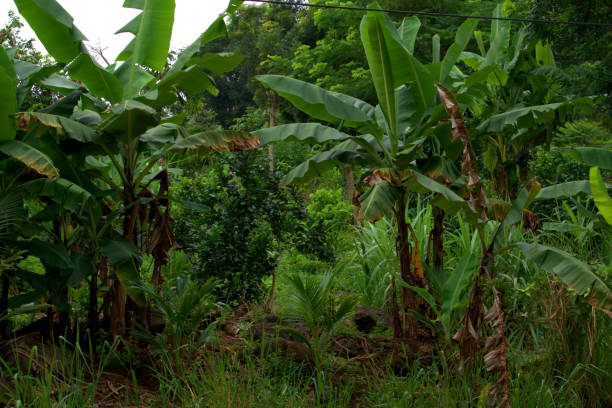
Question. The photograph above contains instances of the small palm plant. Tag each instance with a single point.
(311, 303)
(184, 306)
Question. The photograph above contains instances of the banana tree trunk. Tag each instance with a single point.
(117, 317)
(404, 251)
(119, 293)
(438, 238)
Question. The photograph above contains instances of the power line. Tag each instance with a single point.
(433, 13)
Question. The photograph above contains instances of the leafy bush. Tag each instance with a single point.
(328, 215)
(557, 166)
(582, 133)
(230, 221)
(553, 167)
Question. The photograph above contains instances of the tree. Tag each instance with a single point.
(10, 38)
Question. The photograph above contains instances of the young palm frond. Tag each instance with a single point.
(311, 303)
(12, 212)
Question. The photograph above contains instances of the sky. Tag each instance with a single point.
(100, 19)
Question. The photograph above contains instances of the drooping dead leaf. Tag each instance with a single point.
(530, 221)
(163, 238)
(478, 198)
(219, 141)
(373, 180)
(378, 176)
(496, 346)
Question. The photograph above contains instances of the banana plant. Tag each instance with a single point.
(388, 138)
(26, 173)
(117, 126)
(511, 84)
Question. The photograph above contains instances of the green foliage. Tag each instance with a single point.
(582, 133)
(557, 166)
(583, 51)
(374, 260)
(231, 220)
(328, 214)
(69, 366)
(184, 304)
(311, 303)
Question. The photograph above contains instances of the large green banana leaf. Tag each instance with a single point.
(54, 28)
(62, 191)
(392, 65)
(30, 156)
(99, 82)
(594, 156)
(600, 194)
(60, 84)
(573, 272)
(217, 63)
(532, 116)
(152, 31)
(319, 103)
(191, 80)
(216, 30)
(129, 119)
(379, 200)
(132, 79)
(408, 32)
(462, 38)
(564, 190)
(499, 40)
(344, 153)
(381, 69)
(8, 97)
(304, 132)
(62, 125)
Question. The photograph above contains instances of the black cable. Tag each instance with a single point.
(433, 14)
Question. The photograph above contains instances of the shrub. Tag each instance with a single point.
(557, 166)
(230, 220)
(328, 215)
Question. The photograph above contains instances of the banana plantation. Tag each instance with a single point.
(316, 203)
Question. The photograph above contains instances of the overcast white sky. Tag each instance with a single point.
(99, 19)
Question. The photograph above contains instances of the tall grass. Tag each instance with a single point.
(63, 374)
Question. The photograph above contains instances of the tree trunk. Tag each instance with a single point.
(409, 299)
(119, 293)
(397, 324)
(438, 238)
(117, 317)
(350, 189)
(273, 105)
